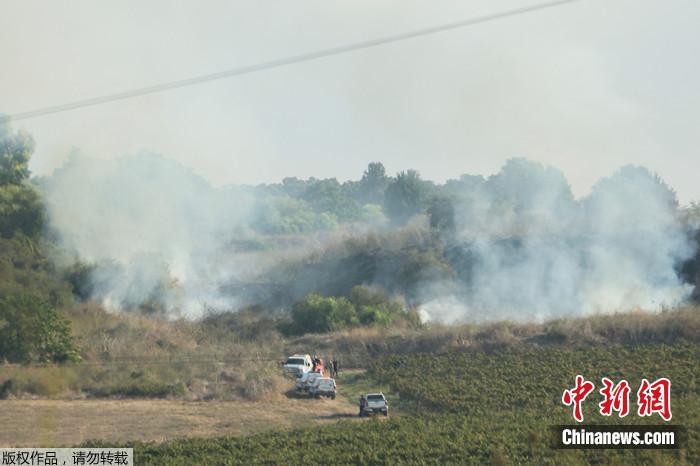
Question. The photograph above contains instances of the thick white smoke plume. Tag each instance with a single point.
(523, 247)
(155, 230)
(537, 253)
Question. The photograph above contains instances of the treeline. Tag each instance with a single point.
(297, 206)
(31, 287)
(417, 244)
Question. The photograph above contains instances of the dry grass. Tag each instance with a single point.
(356, 346)
(51, 423)
(134, 356)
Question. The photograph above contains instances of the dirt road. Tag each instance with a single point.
(53, 423)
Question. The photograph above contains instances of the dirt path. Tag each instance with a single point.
(52, 423)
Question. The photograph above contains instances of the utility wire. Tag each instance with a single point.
(280, 62)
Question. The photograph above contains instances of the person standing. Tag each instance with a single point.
(334, 366)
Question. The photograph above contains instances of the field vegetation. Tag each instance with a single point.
(471, 407)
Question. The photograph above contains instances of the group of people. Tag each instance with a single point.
(318, 366)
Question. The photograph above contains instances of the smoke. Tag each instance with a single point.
(161, 238)
(534, 252)
(155, 231)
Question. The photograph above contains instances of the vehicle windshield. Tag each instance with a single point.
(375, 397)
(295, 361)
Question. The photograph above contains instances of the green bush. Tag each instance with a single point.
(366, 306)
(316, 313)
(26, 269)
(32, 330)
(21, 210)
(143, 389)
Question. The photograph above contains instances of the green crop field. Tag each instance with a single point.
(472, 408)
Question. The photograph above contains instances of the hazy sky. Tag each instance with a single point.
(586, 87)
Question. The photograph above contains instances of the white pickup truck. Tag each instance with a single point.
(323, 386)
(298, 364)
(375, 403)
(306, 380)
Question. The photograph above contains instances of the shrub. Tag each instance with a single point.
(316, 313)
(144, 389)
(31, 330)
(366, 306)
(25, 268)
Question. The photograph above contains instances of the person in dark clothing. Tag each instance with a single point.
(334, 366)
(363, 403)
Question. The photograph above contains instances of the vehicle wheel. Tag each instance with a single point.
(317, 396)
(386, 413)
(332, 397)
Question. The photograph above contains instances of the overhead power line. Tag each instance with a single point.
(280, 62)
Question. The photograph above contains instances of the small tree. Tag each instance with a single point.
(32, 331)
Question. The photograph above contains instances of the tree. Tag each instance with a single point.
(285, 215)
(15, 151)
(404, 197)
(442, 215)
(21, 208)
(327, 196)
(32, 331)
(526, 186)
(373, 183)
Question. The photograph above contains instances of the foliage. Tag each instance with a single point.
(283, 215)
(15, 151)
(146, 389)
(316, 313)
(327, 196)
(21, 208)
(525, 186)
(418, 267)
(31, 330)
(372, 213)
(26, 269)
(373, 183)
(21, 211)
(442, 215)
(24, 264)
(470, 408)
(405, 197)
(79, 276)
